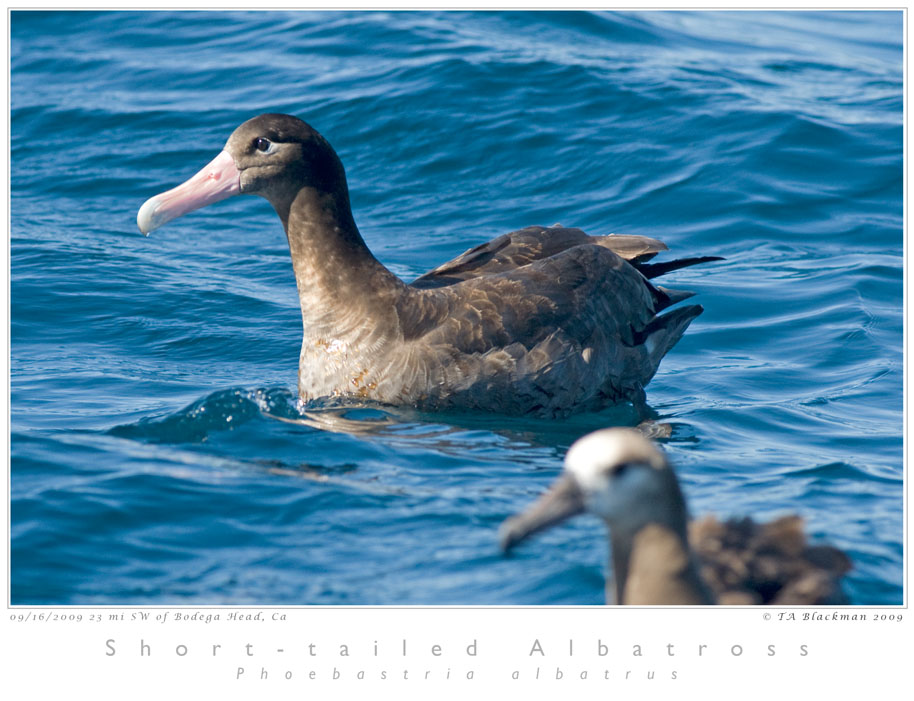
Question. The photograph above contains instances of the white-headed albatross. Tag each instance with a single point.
(543, 320)
(657, 558)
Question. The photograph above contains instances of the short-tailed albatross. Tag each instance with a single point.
(544, 320)
(657, 558)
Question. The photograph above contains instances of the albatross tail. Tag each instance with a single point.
(664, 331)
(652, 270)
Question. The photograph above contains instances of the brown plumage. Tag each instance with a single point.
(542, 320)
(657, 557)
(746, 562)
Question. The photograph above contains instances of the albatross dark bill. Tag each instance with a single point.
(217, 181)
(563, 500)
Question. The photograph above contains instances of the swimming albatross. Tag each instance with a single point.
(620, 476)
(542, 320)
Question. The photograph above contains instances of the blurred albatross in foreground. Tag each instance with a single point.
(542, 320)
(657, 558)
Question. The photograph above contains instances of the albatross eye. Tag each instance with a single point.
(262, 144)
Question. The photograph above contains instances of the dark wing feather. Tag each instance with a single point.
(525, 246)
(746, 562)
(578, 290)
(552, 334)
(540, 320)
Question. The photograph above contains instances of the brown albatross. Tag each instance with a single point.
(544, 320)
(620, 476)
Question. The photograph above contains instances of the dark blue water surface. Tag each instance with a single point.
(148, 462)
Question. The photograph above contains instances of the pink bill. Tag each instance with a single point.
(218, 180)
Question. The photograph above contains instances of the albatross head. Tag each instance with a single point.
(616, 474)
(273, 155)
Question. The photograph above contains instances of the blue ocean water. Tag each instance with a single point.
(147, 374)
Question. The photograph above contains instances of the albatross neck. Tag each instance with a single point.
(652, 562)
(333, 267)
